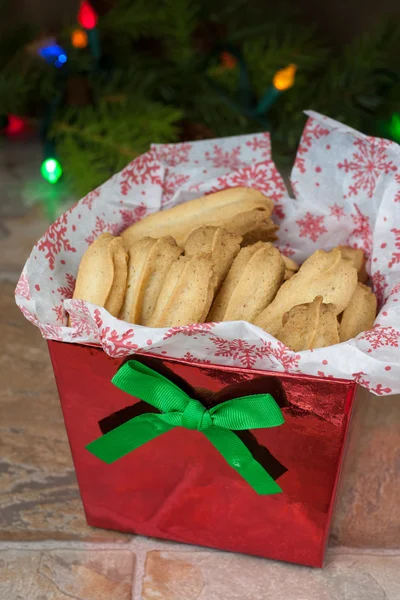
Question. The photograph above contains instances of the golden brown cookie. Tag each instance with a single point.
(222, 245)
(254, 226)
(359, 315)
(213, 209)
(251, 284)
(357, 257)
(291, 267)
(187, 293)
(324, 274)
(308, 326)
(102, 273)
(149, 263)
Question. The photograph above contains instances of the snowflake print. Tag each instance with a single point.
(286, 250)
(55, 240)
(281, 354)
(260, 176)
(312, 131)
(278, 211)
(395, 255)
(132, 215)
(22, 288)
(261, 142)
(397, 196)
(101, 227)
(379, 337)
(172, 183)
(30, 316)
(238, 349)
(81, 321)
(144, 169)
(115, 344)
(367, 164)
(51, 332)
(311, 226)
(225, 159)
(90, 198)
(174, 154)
(67, 290)
(189, 330)
(360, 378)
(189, 357)
(395, 290)
(379, 285)
(60, 313)
(337, 211)
(362, 229)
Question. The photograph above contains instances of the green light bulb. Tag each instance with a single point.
(51, 170)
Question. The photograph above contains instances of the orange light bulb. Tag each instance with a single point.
(284, 79)
(79, 38)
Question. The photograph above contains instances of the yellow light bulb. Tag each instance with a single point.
(284, 79)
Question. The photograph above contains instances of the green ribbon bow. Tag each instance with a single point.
(179, 410)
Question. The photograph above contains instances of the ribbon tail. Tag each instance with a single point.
(127, 437)
(239, 458)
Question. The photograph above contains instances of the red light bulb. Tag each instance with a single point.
(15, 125)
(86, 16)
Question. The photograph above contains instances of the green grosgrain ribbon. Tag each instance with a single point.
(177, 409)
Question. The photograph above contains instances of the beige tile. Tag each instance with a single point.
(368, 508)
(66, 574)
(214, 576)
(39, 496)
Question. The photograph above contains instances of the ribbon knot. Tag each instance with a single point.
(196, 416)
(177, 409)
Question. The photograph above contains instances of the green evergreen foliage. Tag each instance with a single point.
(161, 79)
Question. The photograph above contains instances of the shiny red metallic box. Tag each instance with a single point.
(178, 487)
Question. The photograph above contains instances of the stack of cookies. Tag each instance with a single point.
(212, 259)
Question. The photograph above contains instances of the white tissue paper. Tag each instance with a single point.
(347, 191)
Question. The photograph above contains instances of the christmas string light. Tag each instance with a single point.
(53, 54)
(281, 81)
(51, 170)
(79, 38)
(87, 18)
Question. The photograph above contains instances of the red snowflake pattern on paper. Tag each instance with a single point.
(362, 229)
(114, 343)
(238, 349)
(360, 378)
(81, 321)
(189, 357)
(311, 226)
(132, 215)
(312, 131)
(101, 227)
(144, 169)
(229, 159)
(397, 196)
(22, 288)
(51, 332)
(174, 154)
(286, 358)
(379, 285)
(395, 290)
(55, 240)
(189, 330)
(67, 291)
(90, 198)
(171, 184)
(60, 312)
(379, 337)
(395, 255)
(260, 176)
(368, 163)
(286, 250)
(261, 142)
(278, 212)
(337, 211)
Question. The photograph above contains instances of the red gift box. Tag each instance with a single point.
(178, 487)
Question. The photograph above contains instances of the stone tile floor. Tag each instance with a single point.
(47, 552)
